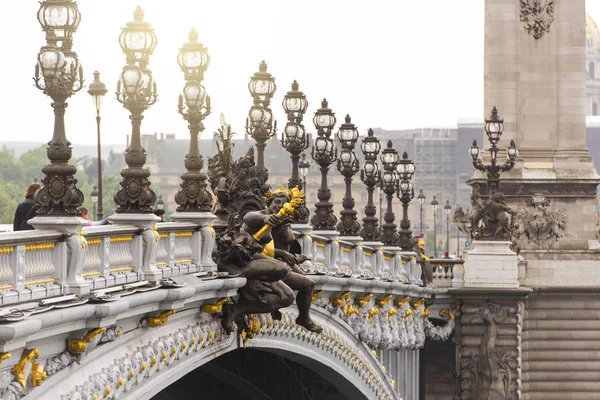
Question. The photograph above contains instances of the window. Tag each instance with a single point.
(592, 72)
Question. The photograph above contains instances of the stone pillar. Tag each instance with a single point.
(535, 75)
(490, 342)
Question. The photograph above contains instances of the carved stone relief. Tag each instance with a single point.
(540, 225)
(493, 370)
(537, 16)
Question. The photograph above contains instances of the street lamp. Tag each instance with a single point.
(294, 137)
(136, 90)
(494, 126)
(434, 205)
(94, 196)
(389, 181)
(160, 204)
(447, 209)
(97, 90)
(405, 169)
(194, 107)
(260, 124)
(304, 166)
(421, 198)
(371, 176)
(324, 153)
(59, 75)
(347, 165)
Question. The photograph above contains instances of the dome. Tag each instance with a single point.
(592, 34)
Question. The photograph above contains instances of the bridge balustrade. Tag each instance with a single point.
(447, 272)
(39, 264)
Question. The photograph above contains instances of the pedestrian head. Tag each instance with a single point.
(30, 191)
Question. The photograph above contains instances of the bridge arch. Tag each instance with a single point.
(139, 365)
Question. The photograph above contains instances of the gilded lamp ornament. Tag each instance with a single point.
(194, 107)
(136, 90)
(59, 76)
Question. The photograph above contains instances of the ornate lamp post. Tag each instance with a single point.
(371, 176)
(447, 209)
(389, 182)
(434, 205)
(405, 169)
(421, 198)
(94, 195)
(494, 126)
(294, 138)
(59, 76)
(260, 124)
(347, 164)
(324, 153)
(97, 90)
(136, 90)
(194, 107)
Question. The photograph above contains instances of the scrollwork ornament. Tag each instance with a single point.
(537, 16)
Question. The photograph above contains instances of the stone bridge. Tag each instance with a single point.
(123, 312)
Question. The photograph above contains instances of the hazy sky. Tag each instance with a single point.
(387, 63)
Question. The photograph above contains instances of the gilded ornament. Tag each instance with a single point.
(38, 375)
(372, 313)
(402, 301)
(392, 311)
(216, 308)
(337, 301)
(28, 356)
(4, 356)
(408, 314)
(77, 346)
(364, 300)
(384, 301)
(82, 240)
(316, 295)
(160, 320)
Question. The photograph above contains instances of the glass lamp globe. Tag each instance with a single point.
(193, 58)
(138, 39)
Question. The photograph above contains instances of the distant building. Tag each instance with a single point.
(592, 83)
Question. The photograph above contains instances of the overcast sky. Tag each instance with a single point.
(391, 64)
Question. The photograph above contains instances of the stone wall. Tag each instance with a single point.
(440, 364)
(561, 345)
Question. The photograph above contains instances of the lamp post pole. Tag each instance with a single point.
(389, 159)
(405, 169)
(194, 107)
(447, 209)
(434, 206)
(324, 153)
(94, 196)
(371, 176)
(136, 90)
(347, 165)
(304, 166)
(421, 198)
(97, 90)
(59, 75)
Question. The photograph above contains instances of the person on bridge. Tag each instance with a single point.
(281, 237)
(84, 213)
(24, 210)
